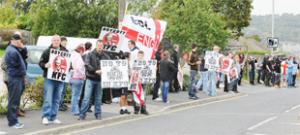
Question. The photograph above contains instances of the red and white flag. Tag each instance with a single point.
(138, 94)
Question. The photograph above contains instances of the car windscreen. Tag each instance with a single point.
(34, 56)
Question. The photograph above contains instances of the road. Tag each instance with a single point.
(265, 111)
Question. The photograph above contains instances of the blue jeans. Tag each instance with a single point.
(15, 88)
(212, 78)
(90, 87)
(76, 87)
(203, 81)
(290, 79)
(165, 90)
(192, 89)
(63, 93)
(52, 95)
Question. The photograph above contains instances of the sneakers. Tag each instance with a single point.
(18, 126)
(56, 121)
(45, 121)
(194, 97)
(158, 99)
(124, 111)
(145, 112)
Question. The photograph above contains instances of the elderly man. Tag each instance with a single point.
(52, 88)
(16, 71)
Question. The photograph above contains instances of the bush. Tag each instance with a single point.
(3, 104)
(33, 95)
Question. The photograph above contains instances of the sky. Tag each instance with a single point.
(263, 7)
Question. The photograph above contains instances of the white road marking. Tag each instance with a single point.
(3, 133)
(293, 108)
(262, 123)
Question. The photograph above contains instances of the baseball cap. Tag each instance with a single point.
(16, 37)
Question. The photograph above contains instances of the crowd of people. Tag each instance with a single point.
(85, 80)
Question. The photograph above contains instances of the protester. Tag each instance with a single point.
(202, 83)
(259, 71)
(52, 88)
(174, 84)
(166, 68)
(227, 77)
(212, 77)
(93, 81)
(62, 106)
(88, 48)
(77, 77)
(139, 106)
(283, 71)
(252, 62)
(185, 69)
(16, 71)
(124, 91)
(155, 95)
(277, 72)
(194, 62)
(268, 73)
(295, 71)
(242, 64)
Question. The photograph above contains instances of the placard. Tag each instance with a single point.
(212, 60)
(60, 65)
(114, 73)
(112, 39)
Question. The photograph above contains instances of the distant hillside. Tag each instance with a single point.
(287, 27)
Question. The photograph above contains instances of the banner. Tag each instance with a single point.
(145, 70)
(60, 65)
(114, 73)
(212, 60)
(146, 32)
(226, 64)
(112, 39)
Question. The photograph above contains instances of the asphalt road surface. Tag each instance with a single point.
(265, 111)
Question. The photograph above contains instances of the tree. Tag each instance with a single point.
(8, 16)
(236, 13)
(192, 21)
(83, 18)
(138, 7)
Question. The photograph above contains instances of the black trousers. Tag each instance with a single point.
(226, 83)
(156, 86)
(251, 76)
(259, 72)
(174, 86)
(294, 80)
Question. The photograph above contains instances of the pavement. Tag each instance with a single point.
(264, 111)
(110, 114)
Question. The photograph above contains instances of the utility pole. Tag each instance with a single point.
(273, 23)
(122, 8)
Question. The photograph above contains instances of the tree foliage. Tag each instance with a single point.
(192, 21)
(82, 18)
(236, 14)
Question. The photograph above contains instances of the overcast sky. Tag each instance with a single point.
(262, 7)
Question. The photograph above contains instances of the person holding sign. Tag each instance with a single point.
(93, 82)
(52, 88)
(213, 64)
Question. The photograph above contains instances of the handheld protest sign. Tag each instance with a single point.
(112, 39)
(60, 65)
(212, 60)
(226, 64)
(114, 73)
(146, 70)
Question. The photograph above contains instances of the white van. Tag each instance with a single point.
(71, 44)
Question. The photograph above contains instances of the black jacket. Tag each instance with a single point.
(175, 58)
(166, 69)
(193, 61)
(92, 64)
(45, 58)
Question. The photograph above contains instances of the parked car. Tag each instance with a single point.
(33, 68)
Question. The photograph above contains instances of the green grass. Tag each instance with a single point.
(2, 52)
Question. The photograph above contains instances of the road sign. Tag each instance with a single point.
(273, 42)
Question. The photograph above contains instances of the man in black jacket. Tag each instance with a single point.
(93, 82)
(52, 88)
(175, 59)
